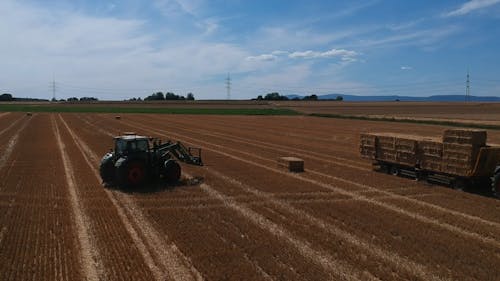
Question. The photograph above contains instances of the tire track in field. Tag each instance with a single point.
(90, 257)
(357, 196)
(389, 257)
(368, 187)
(291, 131)
(155, 250)
(12, 125)
(11, 143)
(297, 151)
(331, 265)
(267, 145)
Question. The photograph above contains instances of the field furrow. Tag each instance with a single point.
(240, 216)
(38, 240)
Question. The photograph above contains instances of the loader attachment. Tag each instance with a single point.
(182, 153)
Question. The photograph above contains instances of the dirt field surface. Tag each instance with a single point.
(239, 217)
(471, 112)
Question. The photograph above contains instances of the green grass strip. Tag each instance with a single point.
(156, 110)
(414, 121)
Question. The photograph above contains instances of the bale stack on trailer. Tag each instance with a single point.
(367, 145)
(394, 148)
(455, 154)
(460, 150)
(459, 158)
(430, 154)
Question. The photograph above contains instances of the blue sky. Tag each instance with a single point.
(122, 49)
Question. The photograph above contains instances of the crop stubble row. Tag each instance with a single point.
(169, 126)
(237, 264)
(38, 239)
(446, 242)
(227, 239)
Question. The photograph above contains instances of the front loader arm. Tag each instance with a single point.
(181, 152)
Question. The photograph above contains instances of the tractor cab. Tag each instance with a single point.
(131, 143)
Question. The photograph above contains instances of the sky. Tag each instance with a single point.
(116, 50)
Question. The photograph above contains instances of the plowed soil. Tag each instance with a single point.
(240, 216)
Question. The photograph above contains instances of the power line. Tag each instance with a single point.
(467, 87)
(53, 87)
(228, 86)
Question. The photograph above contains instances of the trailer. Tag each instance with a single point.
(460, 158)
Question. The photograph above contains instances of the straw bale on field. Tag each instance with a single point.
(292, 164)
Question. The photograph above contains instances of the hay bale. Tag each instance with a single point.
(459, 159)
(460, 152)
(292, 164)
(367, 143)
(465, 136)
(406, 150)
(386, 142)
(430, 148)
(430, 154)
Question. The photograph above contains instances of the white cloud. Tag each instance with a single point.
(279, 53)
(471, 6)
(406, 68)
(341, 53)
(264, 57)
(344, 55)
(111, 58)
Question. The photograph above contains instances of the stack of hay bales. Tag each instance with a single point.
(460, 150)
(456, 153)
(430, 154)
(393, 148)
(406, 150)
(367, 146)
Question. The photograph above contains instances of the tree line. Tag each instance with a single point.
(168, 96)
(276, 97)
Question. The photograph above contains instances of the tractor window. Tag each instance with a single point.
(121, 146)
(142, 145)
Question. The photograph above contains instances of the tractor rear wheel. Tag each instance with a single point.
(107, 169)
(171, 171)
(131, 173)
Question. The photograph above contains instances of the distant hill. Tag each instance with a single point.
(444, 98)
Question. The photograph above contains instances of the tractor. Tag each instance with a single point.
(137, 160)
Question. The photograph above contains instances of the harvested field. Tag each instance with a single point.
(239, 217)
(471, 112)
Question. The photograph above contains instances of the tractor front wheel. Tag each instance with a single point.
(107, 169)
(171, 171)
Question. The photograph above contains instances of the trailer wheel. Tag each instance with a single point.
(495, 185)
(384, 168)
(459, 184)
(394, 171)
